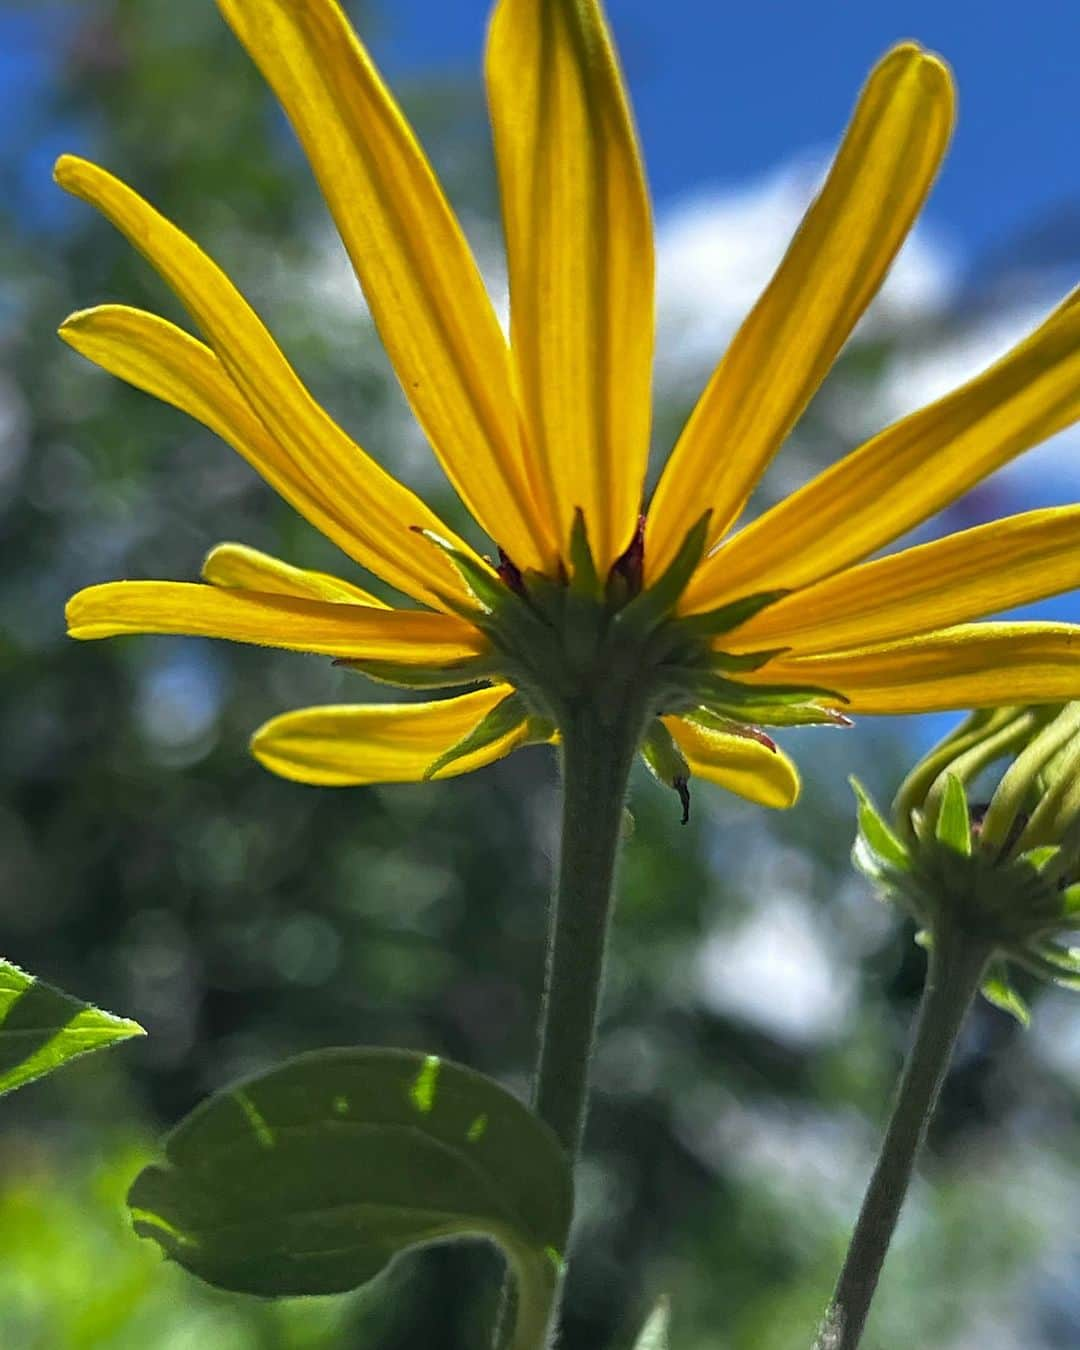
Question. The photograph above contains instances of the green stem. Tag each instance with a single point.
(596, 760)
(598, 748)
(957, 964)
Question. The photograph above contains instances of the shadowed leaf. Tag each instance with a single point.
(310, 1178)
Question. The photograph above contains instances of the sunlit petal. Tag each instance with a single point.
(970, 666)
(237, 567)
(579, 242)
(164, 361)
(380, 508)
(350, 744)
(422, 285)
(410, 637)
(836, 262)
(982, 571)
(743, 766)
(907, 473)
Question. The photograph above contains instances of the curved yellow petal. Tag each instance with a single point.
(580, 250)
(907, 472)
(238, 567)
(409, 637)
(380, 508)
(421, 283)
(986, 570)
(970, 666)
(349, 745)
(745, 767)
(169, 364)
(883, 170)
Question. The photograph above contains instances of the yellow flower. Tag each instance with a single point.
(703, 634)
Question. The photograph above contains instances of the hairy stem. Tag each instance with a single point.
(596, 762)
(957, 963)
(598, 748)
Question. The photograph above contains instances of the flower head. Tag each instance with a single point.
(663, 620)
(1005, 875)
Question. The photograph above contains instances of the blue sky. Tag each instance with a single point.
(723, 90)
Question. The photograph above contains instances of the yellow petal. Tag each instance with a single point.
(167, 363)
(745, 767)
(986, 570)
(836, 262)
(907, 472)
(970, 666)
(349, 745)
(421, 283)
(579, 243)
(381, 509)
(411, 637)
(237, 567)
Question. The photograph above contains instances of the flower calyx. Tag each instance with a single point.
(611, 647)
(1006, 874)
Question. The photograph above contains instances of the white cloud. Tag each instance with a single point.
(717, 250)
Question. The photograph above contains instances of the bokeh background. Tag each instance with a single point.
(759, 999)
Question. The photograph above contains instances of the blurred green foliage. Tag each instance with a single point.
(147, 864)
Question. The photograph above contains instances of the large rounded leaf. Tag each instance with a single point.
(310, 1178)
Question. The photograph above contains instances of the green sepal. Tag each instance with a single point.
(647, 610)
(451, 676)
(1040, 857)
(584, 578)
(506, 716)
(877, 833)
(1070, 901)
(506, 617)
(997, 989)
(548, 596)
(1061, 964)
(667, 763)
(311, 1178)
(778, 715)
(723, 620)
(654, 1334)
(484, 583)
(765, 704)
(42, 1028)
(734, 663)
(953, 825)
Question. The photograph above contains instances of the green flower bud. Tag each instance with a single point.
(1005, 875)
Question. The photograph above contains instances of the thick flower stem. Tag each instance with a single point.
(957, 963)
(596, 760)
(598, 747)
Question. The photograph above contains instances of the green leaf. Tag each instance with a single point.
(41, 1028)
(654, 1334)
(953, 828)
(876, 833)
(310, 1178)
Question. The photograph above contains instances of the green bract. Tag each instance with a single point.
(654, 1334)
(1007, 874)
(620, 647)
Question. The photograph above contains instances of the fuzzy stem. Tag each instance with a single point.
(598, 748)
(957, 963)
(596, 761)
